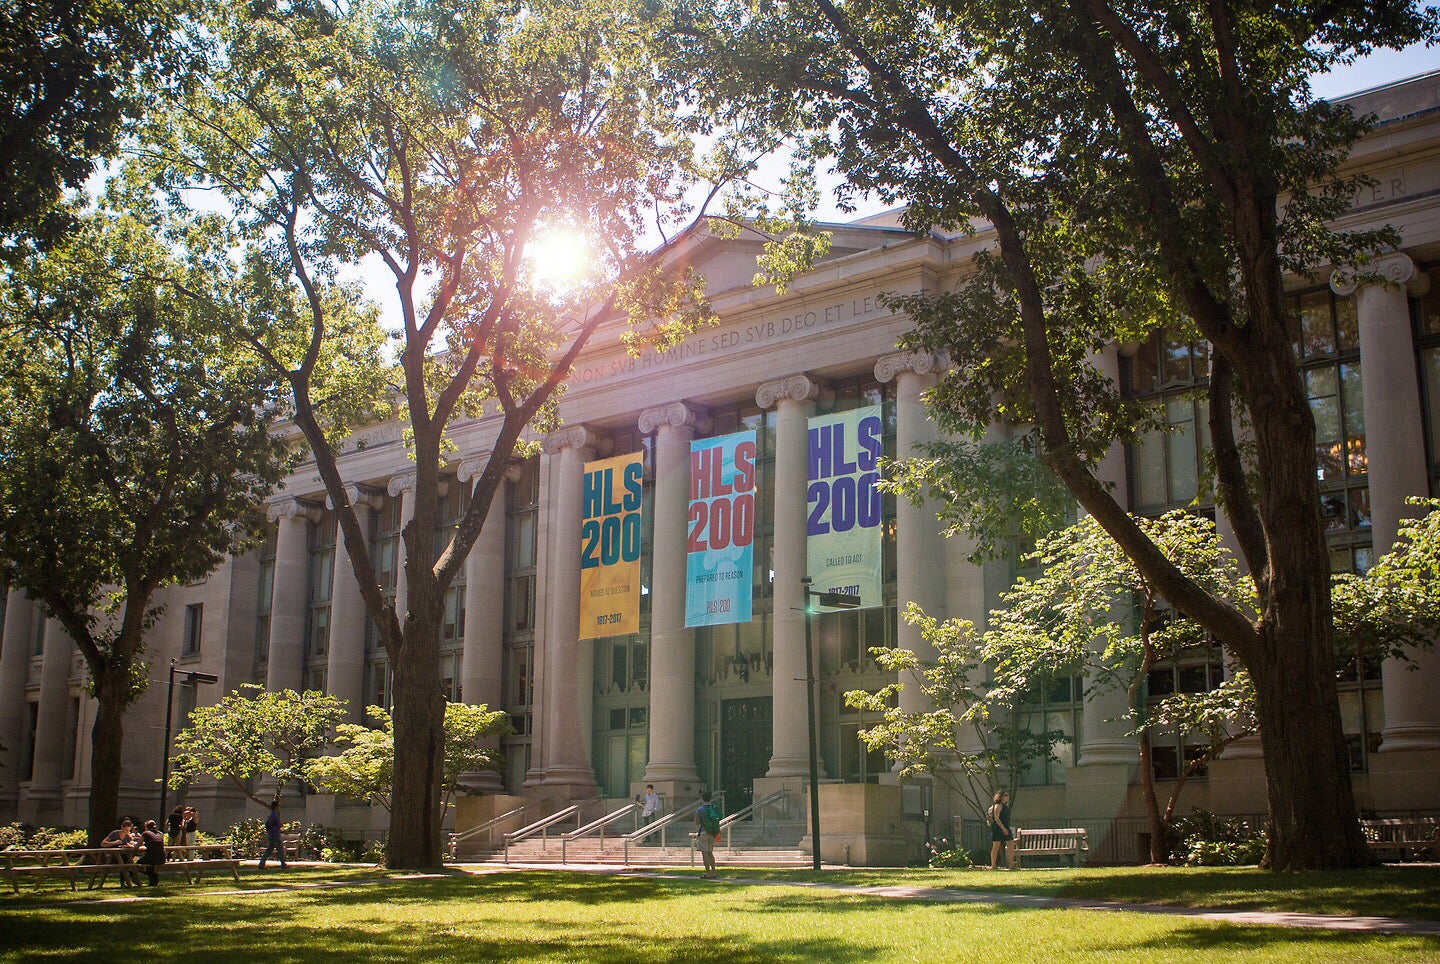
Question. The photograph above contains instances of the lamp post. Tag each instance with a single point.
(192, 677)
(835, 600)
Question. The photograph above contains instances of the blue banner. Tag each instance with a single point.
(843, 511)
(720, 551)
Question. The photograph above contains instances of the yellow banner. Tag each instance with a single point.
(610, 546)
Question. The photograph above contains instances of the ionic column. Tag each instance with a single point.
(1106, 739)
(1395, 450)
(402, 487)
(14, 670)
(289, 603)
(482, 661)
(569, 661)
(50, 722)
(345, 668)
(920, 549)
(672, 646)
(793, 400)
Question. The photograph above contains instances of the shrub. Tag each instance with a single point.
(12, 837)
(316, 840)
(374, 852)
(54, 838)
(944, 854)
(1209, 840)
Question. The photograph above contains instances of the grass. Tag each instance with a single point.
(557, 916)
(1386, 891)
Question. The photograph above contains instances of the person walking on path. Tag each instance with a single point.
(1001, 833)
(707, 831)
(154, 855)
(274, 841)
(649, 806)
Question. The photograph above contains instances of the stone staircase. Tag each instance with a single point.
(776, 845)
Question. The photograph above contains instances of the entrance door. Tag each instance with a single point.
(744, 748)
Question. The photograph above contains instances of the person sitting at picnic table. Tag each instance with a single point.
(125, 842)
(154, 851)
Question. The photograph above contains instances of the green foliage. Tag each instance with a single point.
(942, 853)
(254, 734)
(12, 836)
(75, 71)
(55, 838)
(365, 766)
(317, 840)
(1208, 840)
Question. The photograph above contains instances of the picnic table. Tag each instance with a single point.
(97, 863)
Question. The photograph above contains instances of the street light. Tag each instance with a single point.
(835, 600)
(192, 677)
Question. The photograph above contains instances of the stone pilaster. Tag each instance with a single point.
(672, 646)
(569, 683)
(402, 487)
(1395, 450)
(793, 399)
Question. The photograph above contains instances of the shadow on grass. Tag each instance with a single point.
(1225, 938)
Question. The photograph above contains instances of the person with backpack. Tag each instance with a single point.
(707, 821)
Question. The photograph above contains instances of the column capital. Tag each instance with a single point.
(404, 482)
(893, 366)
(798, 388)
(1395, 268)
(676, 415)
(576, 437)
(471, 469)
(291, 508)
(357, 495)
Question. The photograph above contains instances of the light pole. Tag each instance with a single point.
(192, 677)
(835, 600)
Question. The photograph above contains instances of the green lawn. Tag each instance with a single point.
(1388, 891)
(578, 917)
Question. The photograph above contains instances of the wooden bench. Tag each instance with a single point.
(1402, 837)
(1068, 842)
(291, 843)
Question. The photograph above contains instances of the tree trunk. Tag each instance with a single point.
(107, 739)
(419, 716)
(1314, 824)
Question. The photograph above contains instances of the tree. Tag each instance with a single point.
(133, 442)
(252, 733)
(1140, 167)
(75, 71)
(973, 742)
(365, 768)
(1090, 613)
(444, 141)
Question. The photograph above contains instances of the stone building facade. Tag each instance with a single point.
(724, 707)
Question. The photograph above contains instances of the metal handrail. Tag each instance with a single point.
(727, 824)
(487, 827)
(595, 825)
(663, 823)
(541, 826)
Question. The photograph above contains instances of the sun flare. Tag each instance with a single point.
(560, 258)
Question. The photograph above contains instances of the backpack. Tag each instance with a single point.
(710, 818)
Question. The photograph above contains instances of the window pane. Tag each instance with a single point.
(1316, 335)
(1149, 458)
(1180, 444)
(1354, 402)
(1347, 327)
(1177, 361)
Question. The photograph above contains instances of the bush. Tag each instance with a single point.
(945, 854)
(374, 852)
(1209, 840)
(53, 838)
(317, 840)
(12, 837)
